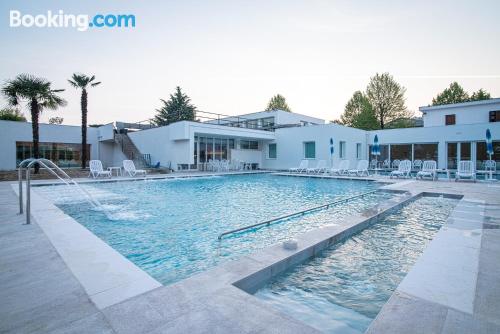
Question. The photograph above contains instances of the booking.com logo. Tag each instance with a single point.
(81, 22)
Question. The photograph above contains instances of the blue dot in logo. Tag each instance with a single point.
(91, 24)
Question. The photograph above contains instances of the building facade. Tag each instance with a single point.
(269, 140)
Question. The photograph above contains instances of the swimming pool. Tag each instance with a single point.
(343, 289)
(169, 227)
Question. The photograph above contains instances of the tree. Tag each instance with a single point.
(481, 94)
(82, 81)
(177, 108)
(38, 95)
(11, 114)
(387, 99)
(453, 94)
(56, 120)
(278, 102)
(358, 113)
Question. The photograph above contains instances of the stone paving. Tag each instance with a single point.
(40, 293)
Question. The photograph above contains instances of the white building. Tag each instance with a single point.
(269, 140)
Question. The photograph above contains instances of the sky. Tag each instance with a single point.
(231, 57)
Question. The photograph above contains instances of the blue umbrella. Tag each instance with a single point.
(331, 150)
(489, 143)
(376, 146)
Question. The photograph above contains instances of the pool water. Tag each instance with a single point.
(169, 227)
(343, 289)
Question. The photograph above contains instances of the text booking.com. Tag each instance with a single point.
(81, 22)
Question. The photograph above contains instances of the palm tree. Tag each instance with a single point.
(38, 95)
(83, 81)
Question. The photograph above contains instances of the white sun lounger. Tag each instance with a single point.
(428, 170)
(465, 171)
(342, 169)
(404, 169)
(304, 164)
(361, 169)
(129, 167)
(320, 167)
(96, 169)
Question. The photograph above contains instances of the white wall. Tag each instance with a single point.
(11, 132)
(156, 142)
(290, 145)
(466, 113)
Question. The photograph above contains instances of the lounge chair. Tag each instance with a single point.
(320, 167)
(361, 169)
(129, 167)
(96, 169)
(342, 169)
(304, 164)
(403, 170)
(428, 170)
(465, 170)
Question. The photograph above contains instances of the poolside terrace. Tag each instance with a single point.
(454, 287)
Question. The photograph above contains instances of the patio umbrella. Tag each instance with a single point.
(489, 148)
(332, 149)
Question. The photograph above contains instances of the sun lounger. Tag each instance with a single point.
(404, 169)
(304, 164)
(465, 171)
(129, 167)
(361, 169)
(96, 169)
(428, 170)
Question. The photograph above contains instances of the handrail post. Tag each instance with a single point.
(20, 189)
(28, 196)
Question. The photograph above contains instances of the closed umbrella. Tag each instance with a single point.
(332, 149)
(376, 151)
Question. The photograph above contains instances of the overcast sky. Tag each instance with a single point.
(230, 57)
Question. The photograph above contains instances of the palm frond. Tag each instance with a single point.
(95, 84)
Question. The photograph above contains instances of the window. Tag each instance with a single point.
(449, 119)
(63, 155)
(268, 122)
(451, 155)
(425, 152)
(249, 145)
(310, 150)
(495, 116)
(358, 150)
(271, 151)
(400, 152)
(342, 150)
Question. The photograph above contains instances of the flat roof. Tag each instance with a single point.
(462, 104)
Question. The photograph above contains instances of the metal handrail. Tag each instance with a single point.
(302, 212)
(43, 162)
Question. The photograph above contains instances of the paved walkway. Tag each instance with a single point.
(40, 294)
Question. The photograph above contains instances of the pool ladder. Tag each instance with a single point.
(298, 213)
(50, 166)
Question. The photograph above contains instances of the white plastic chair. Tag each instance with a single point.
(386, 163)
(304, 164)
(96, 169)
(361, 169)
(342, 169)
(395, 163)
(404, 169)
(129, 167)
(320, 167)
(417, 164)
(465, 170)
(428, 170)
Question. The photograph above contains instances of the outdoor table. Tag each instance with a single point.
(447, 171)
(118, 170)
